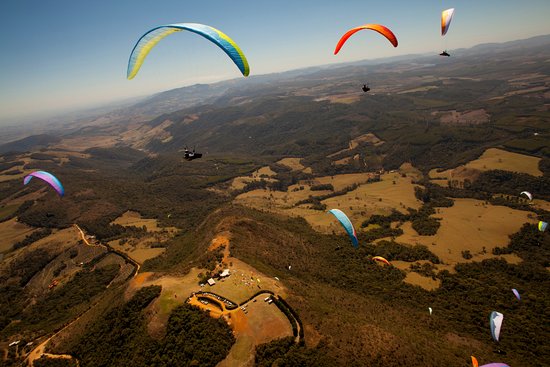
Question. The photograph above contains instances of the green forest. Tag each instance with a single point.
(119, 338)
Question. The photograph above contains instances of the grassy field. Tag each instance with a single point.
(491, 159)
(417, 279)
(422, 281)
(57, 245)
(468, 117)
(238, 183)
(393, 191)
(24, 158)
(292, 163)
(8, 210)
(347, 98)
(469, 225)
(140, 249)
(354, 143)
(12, 232)
(131, 218)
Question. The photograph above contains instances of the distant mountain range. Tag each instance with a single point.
(389, 75)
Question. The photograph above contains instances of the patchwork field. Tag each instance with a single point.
(467, 117)
(469, 225)
(55, 244)
(131, 218)
(143, 248)
(491, 159)
(263, 173)
(393, 191)
(347, 98)
(354, 143)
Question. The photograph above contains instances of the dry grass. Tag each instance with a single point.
(454, 117)
(541, 204)
(142, 134)
(55, 244)
(26, 159)
(491, 159)
(131, 218)
(142, 254)
(347, 98)
(140, 249)
(419, 89)
(344, 161)
(82, 143)
(11, 232)
(469, 225)
(412, 172)
(239, 183)
(292, 163)
(354, 143)
(359, 204)
(267, 171)
(243, 282)
(374, 198)
(522, 91)
(427, 283)
(340, 182)
(413, 278)
(262, 322)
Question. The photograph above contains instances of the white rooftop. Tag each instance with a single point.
(225, 273)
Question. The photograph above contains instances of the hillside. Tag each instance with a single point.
(429, 167)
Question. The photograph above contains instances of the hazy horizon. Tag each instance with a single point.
(83, 49)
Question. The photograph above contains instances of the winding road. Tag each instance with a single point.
(38, 352)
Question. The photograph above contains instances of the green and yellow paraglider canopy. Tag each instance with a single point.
(154, 35)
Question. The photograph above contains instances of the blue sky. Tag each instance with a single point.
(71, 54)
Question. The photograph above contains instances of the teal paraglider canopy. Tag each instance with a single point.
(346, 223)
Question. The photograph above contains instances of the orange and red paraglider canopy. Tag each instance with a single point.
(386, 32)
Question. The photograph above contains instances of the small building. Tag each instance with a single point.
(225, 273)
(211, 281)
